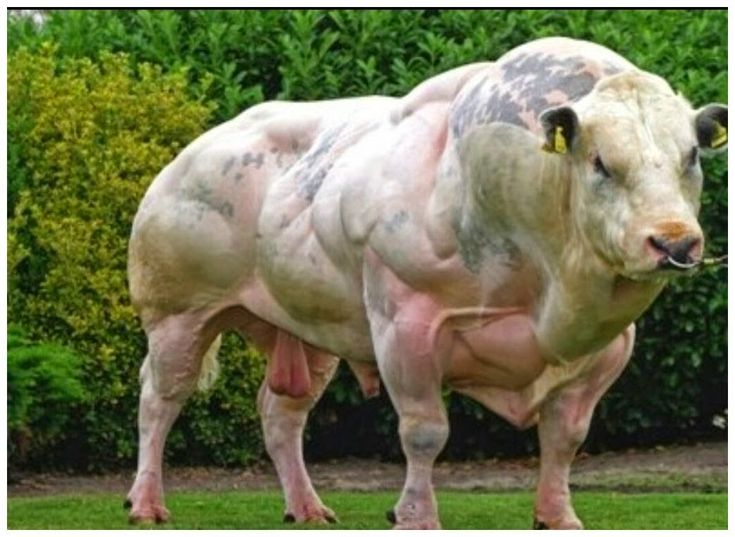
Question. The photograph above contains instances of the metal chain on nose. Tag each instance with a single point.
(714, 262)
(707, 262)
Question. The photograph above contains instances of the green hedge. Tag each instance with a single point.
(40, 378)
(64, 291)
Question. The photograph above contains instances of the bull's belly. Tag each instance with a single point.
(346, 336)
(350, 341)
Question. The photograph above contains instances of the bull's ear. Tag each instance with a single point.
(711, 126)
(561, 129)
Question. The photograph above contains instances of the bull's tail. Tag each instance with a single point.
(210, 366)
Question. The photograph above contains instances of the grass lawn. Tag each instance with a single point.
(359, 510)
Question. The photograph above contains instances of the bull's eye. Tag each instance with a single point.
(600, 167)
(693, 157)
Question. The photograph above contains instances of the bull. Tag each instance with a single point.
(497, 231)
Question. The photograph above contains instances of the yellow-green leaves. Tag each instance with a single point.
(93, 135)
(99, 134)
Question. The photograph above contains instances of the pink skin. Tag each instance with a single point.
(169, 375)
(412, 359)
(367, 377)
(288, 373)
(145, 498)
(564, 420)
(402, 237)
(415, 357)
(414, 384)
(283, 420)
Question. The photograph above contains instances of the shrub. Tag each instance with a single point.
(44, 389)
(675, 383)
(99, 133)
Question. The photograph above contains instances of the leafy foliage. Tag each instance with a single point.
(89, 128)
(99, 133)
(44, 388)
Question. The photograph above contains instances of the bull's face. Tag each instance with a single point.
(636, 179)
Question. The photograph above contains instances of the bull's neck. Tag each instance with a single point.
(512, 189)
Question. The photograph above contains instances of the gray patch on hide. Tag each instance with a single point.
(396, 221)
(315, 166)
(201, 192)
(249, 158)
(463, 114)
(476, 244)
(225, 209)
(526, 80)
(204, 194)
(228, 165)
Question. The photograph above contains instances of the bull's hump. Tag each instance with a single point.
(532, 78)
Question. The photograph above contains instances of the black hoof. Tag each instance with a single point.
(288, 518)
(391, 516)
(127, 504)
(538, 525)
(331, 519)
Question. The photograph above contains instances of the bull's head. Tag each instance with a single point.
(636, 181)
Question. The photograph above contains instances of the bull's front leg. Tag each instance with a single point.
(564, 420)
(414, 386)
(412, 374)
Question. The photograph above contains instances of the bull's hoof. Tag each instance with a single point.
(145, 520)
(431, 524)
(324, 516)
(155, 515)
(565, 523)
(425, 524)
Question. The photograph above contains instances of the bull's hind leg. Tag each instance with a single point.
(168, 376)
(283, 419)
(564, 420)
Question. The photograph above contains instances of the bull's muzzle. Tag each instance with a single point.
(683, 253)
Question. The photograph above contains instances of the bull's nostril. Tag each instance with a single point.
(659, 244)
(681, 250)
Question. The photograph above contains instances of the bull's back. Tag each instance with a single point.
(194, 237)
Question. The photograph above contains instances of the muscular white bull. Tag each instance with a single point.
(497, 230)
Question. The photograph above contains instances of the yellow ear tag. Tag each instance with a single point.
(560, 143)
(720, 137)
